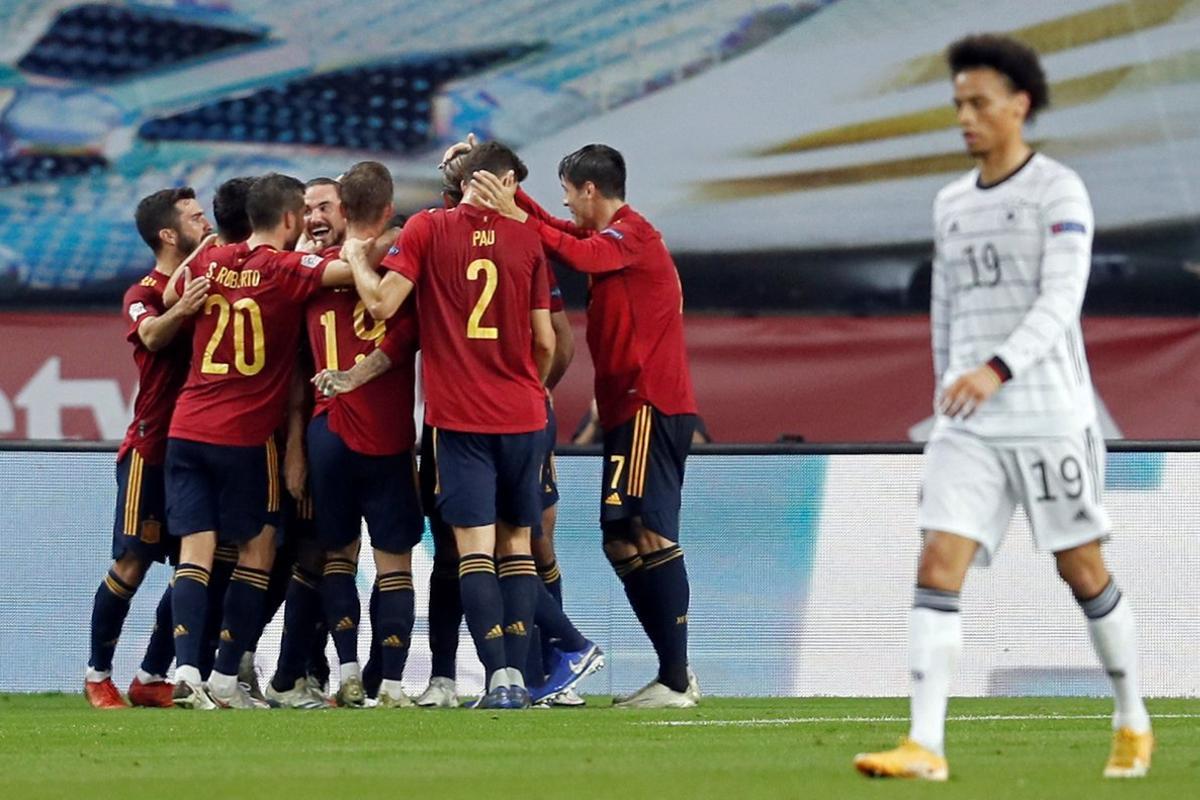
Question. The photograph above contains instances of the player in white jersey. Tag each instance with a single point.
(1016, 422)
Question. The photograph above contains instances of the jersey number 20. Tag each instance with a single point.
(241, 310)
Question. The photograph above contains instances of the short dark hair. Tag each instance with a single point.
(494, 157)
(325, 182)
(229, 209)
(598, 163)
(397, 220)
(270, 197)
(1016, 61)
(366, 192)
(157, 211)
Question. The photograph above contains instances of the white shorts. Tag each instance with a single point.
(971, 486)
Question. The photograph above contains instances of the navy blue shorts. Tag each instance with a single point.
(482, 478)
(297, 520)
(349, 487)
(643, 470)
(232, 490)
(549, 473)
(140, 524)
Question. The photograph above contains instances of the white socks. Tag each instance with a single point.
(94, 675)
(349, 670)
(935, 639)
(1114, 638)
(188, 674)
(146, 677)
(222, 684)
(506, 676)
(391, 688)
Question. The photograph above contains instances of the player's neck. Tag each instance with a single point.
(605, 211)
(363, 231)
(273, 238)
(167, 264)
(1003, 160)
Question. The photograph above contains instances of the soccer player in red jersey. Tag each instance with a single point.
(483, 305)
(222, 463)
(559, 655)
(360, 448)
(172, 223)
(643, 392)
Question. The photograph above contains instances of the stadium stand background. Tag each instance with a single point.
(789, 151)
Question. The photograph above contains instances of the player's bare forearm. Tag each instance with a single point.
(564, 348)
(332, 382)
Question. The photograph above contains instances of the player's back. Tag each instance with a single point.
(376, 418)
(245, 343)
(1003, 251)
(481, 276)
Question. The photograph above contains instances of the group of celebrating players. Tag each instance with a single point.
(217, 333)
(256, 485)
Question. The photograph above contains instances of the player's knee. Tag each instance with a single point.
(130, 569)
(259, 552)
(386, 561)
(944, 562)
(618, 540)
(645, 539)
(513, 541)
(1083, 569)
(347, 553)
(543, 549)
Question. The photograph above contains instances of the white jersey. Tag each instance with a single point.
(1010, 268)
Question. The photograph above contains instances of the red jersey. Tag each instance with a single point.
(375, 419)
(160, 373)
(245, 342)
(478, 275)
(634, 312)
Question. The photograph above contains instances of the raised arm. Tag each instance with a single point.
(381, 294)
(605, 251)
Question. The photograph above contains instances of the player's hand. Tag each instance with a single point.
(195, 290)
(207, 241)
(332, 382)
(356, 249)
(457, 149)
(963, 397)
(295, 473)
(498, 193)
(306, 244)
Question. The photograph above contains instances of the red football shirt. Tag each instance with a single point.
(377, 418)
(634, 313)
(478, 275)
(160, 373)
(245, 342)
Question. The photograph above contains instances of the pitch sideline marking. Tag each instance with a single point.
(699, 723)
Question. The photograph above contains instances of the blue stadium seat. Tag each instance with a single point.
(97, 42)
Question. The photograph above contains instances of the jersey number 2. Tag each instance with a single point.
(241, 310)
(490, 277)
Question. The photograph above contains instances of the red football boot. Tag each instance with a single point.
(151, 695)
(103, 694)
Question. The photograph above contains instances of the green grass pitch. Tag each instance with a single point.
(55, 746)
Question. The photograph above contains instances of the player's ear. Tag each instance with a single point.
(168, 236)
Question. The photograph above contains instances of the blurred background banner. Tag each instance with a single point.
(803, 591)
(789, 150)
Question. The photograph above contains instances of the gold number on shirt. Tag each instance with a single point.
(619, 460)
(240, 311)
(374, 333)
(488, 268)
